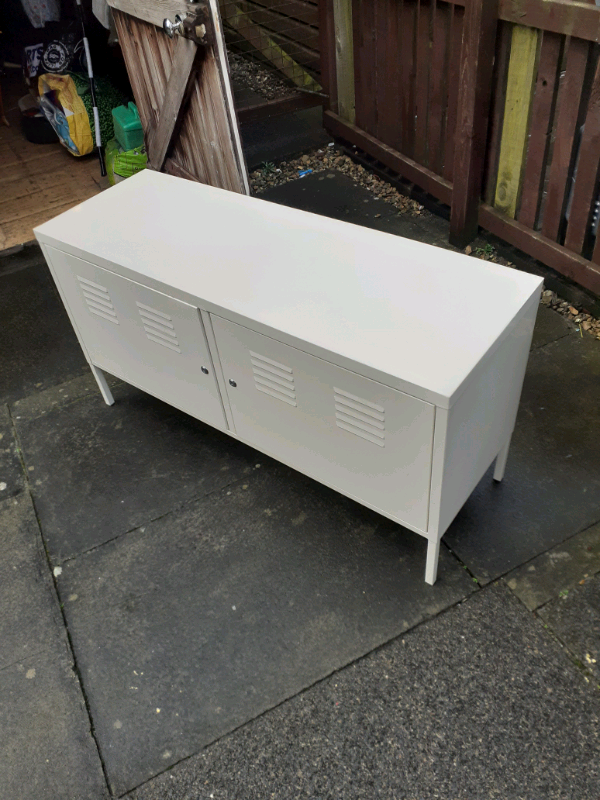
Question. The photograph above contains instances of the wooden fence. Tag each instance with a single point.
(492, 106)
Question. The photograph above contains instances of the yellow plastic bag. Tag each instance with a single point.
(65, 111)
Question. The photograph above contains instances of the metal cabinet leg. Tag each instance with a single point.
(102, 385)
(433, 553)
(501, 462)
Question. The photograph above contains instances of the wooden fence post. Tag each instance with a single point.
(327, 53)
(475, 84)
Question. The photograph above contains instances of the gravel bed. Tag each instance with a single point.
(332, 157)
(253, 75)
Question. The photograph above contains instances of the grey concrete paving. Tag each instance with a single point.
(217, 612)
(46, 748)
(102, 470)
(30, 622)
(37, 347)
(11, 474)
(161, 526)
(551, 489)
(479, 703)
(549, 327)
(575, 618)
(333, 194)
(559, 569)
(284, 136)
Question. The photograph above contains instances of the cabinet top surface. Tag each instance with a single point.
(413, 311)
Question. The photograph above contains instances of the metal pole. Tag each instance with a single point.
(88, 59)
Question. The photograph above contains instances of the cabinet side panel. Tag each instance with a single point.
(47, 251)
(482, 419)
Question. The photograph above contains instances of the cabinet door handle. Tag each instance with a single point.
(204, 370)
(232, 383)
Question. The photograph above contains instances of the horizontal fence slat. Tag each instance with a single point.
(540, 127)
(296, 9)
(428, 180)
(297, 31)
(519, 89)
(569, 97)
(581, 20)
(533, 243)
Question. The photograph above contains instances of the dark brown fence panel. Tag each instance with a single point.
(533, 175)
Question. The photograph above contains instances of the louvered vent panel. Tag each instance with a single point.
(360, 417)
(273, 378)
(159, 327)
(97, 299)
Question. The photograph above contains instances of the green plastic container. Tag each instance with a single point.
(128, 128)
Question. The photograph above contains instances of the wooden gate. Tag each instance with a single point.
(492, 106)
(182, 90)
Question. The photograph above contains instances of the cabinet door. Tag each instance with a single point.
(368, 441)
(142, 336)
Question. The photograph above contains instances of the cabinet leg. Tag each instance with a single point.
(501, 462)
(102, 385)
(433, 553)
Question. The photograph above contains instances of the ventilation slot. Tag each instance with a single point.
(360, 417)
(159, 327)
(97, 299)
(273, 378)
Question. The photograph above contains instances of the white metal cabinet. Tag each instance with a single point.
(141, 335)
(385, 368)
(364, 439)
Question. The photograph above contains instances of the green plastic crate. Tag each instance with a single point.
(128, 128)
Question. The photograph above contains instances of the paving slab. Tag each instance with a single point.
(41, 403)
(480, 703)
(551, 489)
(12, 479)
(557, 570)
(204, 619)
(332, 194)
(30, 618)
(38, 347)
(575, 618)
(549, 327)
(97, 471)
(283, 136)
(46, 748)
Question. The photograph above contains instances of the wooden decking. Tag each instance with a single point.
(37, 181)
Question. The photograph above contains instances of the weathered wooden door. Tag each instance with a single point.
(177, 64)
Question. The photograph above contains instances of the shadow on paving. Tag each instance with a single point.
(38, 348)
